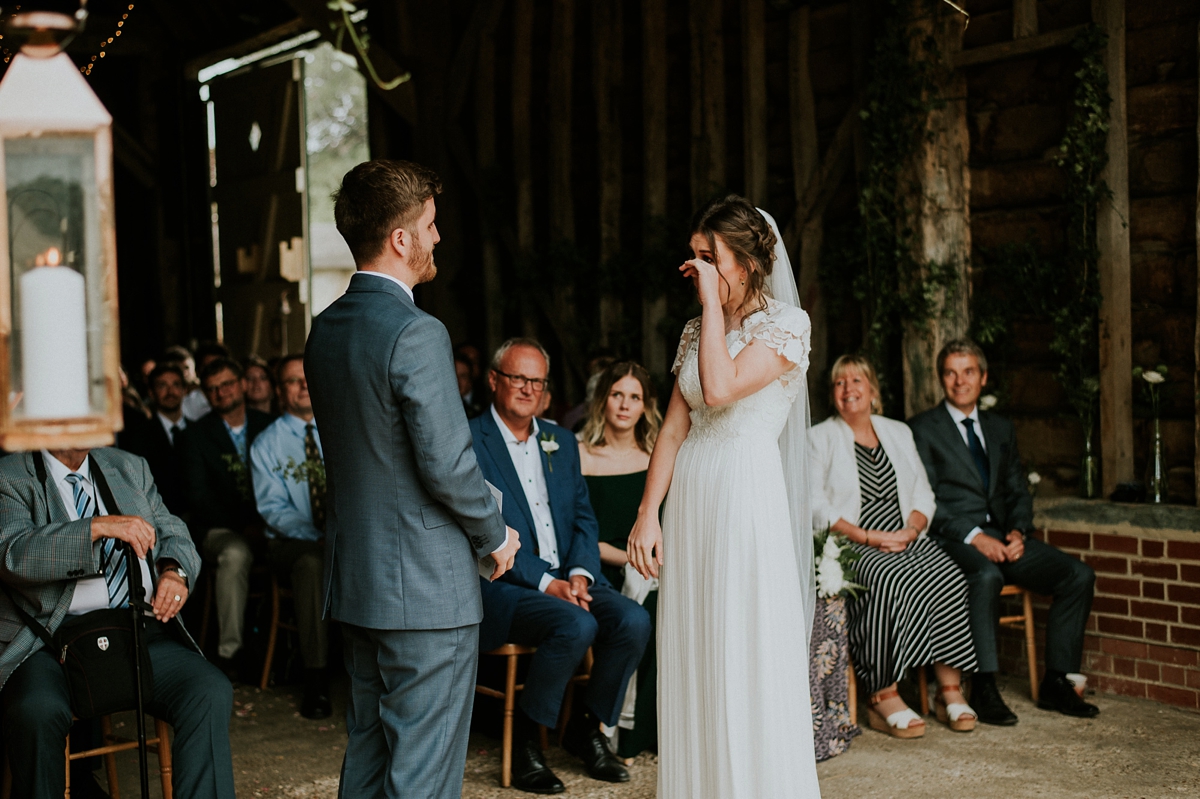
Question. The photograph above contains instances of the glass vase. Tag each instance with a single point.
(1089, 476)
(1156, 472)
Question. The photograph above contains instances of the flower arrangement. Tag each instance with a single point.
(1156, 478)
(835, 572)
(241, 475)
(1034, 479)
(549, 446)
(306, 471)
(988, 401)
(1152, 380)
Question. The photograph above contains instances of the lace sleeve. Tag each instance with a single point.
(690, 331)
(786, 330)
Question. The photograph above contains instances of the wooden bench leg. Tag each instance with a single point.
(166, 770)
(272, 634)
(852, 692)
(510, 702)
(1031, 645)
(923, 689)
(110, 760)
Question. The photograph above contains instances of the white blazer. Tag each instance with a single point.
(834, 471)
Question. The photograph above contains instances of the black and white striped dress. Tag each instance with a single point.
(914, 611)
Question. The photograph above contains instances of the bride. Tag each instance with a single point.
(735, 545)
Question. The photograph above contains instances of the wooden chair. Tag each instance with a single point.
(277, 593)
(509, 695)
(1024, 622)
(159, 745)
(852, 690)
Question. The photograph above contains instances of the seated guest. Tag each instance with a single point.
(984, 519)
(288, 471)
(224, 518)
(58, 559)
(466, 388)
(159, 439)
(260, 386)
(555, 597)
(870, 486)
(614, 453)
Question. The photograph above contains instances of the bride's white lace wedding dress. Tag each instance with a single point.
(735, 720)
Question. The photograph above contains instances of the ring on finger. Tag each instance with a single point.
(178, 598)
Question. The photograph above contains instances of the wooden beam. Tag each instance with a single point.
(522, 156)
(606, 72)
(1016, 48)
(654, 168)
(191, 70)
(485, 150)
(562, 60)
(1025, 19)
(1196, 464)
(754, 96)
(1112, 239)
(708, 98)
(825, 181)
(802, 104)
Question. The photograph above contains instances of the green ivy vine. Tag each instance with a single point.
(1063, 288)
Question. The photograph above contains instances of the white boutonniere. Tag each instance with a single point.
(549, 446)
(988, 401)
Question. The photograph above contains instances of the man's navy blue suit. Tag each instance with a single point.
(515, 611)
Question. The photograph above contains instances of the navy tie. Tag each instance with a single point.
(112, 563)
(977, 453)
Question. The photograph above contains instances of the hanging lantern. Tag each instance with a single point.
(59, 351)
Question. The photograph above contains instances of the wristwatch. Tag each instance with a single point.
(178, 570)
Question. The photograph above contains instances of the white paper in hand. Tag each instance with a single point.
(487, 565)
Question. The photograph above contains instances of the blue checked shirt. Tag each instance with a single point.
(282, 501)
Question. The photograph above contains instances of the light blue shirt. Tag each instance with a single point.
(283, 501)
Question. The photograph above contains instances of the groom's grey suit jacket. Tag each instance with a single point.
(407, 512)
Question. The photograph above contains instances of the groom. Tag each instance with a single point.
(408, 515)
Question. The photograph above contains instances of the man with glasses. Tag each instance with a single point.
(289, 486)
(555, 597)
(225, 521)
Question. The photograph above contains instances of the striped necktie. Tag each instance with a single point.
(112, 563)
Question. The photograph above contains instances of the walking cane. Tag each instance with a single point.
(139, 606)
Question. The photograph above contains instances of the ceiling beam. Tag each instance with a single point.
(1017, 48)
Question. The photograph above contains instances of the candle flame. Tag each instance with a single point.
(51, 257)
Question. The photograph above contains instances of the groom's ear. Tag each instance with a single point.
(399, 242)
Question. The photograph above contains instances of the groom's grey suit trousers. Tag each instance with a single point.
(408, 516)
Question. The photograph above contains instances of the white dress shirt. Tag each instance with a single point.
(526, 458)
(195, 405)
(91, 593)
(407, 289)
(167, 426)
(958, 417)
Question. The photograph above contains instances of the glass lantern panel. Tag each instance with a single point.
(56, 254)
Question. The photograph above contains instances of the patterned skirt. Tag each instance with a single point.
(828, 680)
(913, 613)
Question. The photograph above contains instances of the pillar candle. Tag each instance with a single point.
(54, 344)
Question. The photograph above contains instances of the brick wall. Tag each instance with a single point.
(1143, 635)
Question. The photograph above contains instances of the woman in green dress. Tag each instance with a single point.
(614, 452)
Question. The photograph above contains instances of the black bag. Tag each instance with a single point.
(96, 649)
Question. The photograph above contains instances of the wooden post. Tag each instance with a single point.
(754, 96)
(1112, 239)
(485, 145)
(654, 161)
(1025, 20)
(562, 57)
(942, 223)
(606, 65)
(1197, 387)
(802, 106)
(708, 98)
(522, 88)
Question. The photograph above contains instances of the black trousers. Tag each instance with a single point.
(1043, 569)
(191, 695)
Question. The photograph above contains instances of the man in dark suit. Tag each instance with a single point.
(409, 520)
(57, 526)
(224, 518)
(984, 519)
(555, 598)
(159, 438)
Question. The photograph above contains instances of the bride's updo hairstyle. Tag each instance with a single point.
(747, 235)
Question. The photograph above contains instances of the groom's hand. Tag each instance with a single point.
(505, 556)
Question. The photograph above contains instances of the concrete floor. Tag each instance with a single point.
(1134, 749)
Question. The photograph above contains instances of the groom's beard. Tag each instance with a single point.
(423, 266)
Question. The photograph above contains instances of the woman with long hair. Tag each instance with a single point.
(615, 444)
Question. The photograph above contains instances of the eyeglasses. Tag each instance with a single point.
(295, 381)
(219, 387)
(538, 384)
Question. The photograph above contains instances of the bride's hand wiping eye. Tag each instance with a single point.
(705, 278)
(645, 546)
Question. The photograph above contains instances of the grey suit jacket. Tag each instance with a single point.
(407, 512)
(962, 503)
(43, 552)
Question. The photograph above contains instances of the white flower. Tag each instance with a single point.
(549, 447)
(831, 551)
(1034, 478)
(1151, 376)
(830, 580)
(988, 401)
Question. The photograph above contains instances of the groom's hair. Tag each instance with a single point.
(377, 197)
